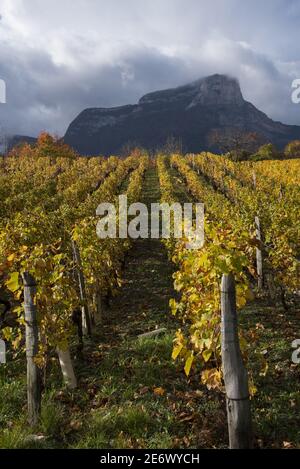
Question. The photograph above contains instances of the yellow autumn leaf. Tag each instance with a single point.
(212, 378)
(11, 257)
(159, 391)
(12, 283)
(206, 354)
(173, 306)
(176, 350)
(203, 260)
(188, 364)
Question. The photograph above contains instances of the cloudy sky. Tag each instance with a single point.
(59, 57)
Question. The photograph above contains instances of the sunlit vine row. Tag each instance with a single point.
(278, 214)
(40, 242)
(227, 248)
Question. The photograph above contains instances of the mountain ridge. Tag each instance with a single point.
(188, 113)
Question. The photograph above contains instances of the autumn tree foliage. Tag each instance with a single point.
(46, 146)
(292, 150)
(266, 152)
(237, 143)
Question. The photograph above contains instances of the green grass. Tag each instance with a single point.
(276, 405)
(52, 417)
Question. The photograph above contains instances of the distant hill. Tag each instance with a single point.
(19, 139)
(188, 113)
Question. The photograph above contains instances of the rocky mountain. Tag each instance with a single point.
(188, 113)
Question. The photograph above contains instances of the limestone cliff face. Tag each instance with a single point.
(188, 113)
(218, 90)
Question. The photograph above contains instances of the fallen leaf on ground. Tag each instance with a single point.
(287, 444)
(75, 424)
(144, 390)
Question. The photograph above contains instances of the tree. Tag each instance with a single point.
(53, 147)
(46, 146)
(292, 150)
(266, 152)
(131, 148)
(238, 144)
(172, 146)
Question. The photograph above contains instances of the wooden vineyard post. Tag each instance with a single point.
(33, 372)
(67, 369)
(254, 179)
(98, 304)
(259, 255)
(86, 321)
(234, 371)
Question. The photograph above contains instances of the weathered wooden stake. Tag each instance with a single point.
(86, 321)
(67, 369)
(254, 179)
(259, 256)
(151, 334)
(33, 372)
(234, 371)
(98, 308)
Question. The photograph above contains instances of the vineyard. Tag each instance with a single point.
(122, 339)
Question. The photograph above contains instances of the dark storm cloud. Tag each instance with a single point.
(58, 58)
(43, 95)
